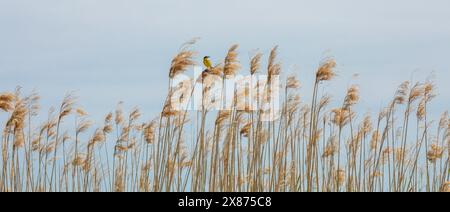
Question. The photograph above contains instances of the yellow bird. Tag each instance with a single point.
(207, 62)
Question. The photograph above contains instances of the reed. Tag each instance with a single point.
(314, 147)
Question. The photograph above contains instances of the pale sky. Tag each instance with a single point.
(113, 50)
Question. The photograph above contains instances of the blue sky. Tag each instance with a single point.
(120, 50)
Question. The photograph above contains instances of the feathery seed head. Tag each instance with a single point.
(231, 62)
(436, 152)
(81, 112)
(326, 70)
(340, 176)
(6, 101)
(331, 148)
(255, 63)
(421, 110)
(135, 114)
(446, 187)
(375, 142)
(292, 82)
(181, 62)
(352, 96)
(150, 132)
(342, 116)
(402, 92)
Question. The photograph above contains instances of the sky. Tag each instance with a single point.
(120, 50)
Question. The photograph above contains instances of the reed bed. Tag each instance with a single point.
(311, 147)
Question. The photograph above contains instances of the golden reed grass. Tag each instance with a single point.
(311, 147)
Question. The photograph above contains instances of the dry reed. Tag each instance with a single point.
(309, 148)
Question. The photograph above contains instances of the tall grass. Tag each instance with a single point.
(310, 147)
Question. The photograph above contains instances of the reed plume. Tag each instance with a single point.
(248, 146)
